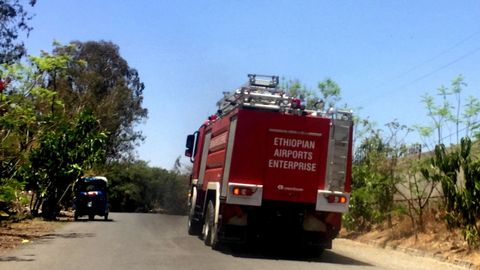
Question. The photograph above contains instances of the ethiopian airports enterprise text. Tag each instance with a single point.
(301, 153)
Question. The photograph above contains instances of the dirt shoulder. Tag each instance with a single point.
(436, 242)
(14, 234)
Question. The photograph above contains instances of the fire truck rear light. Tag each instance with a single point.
(331, 199)
(242, 191)
(244, 194)
(336, 199)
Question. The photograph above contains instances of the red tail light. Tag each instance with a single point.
(92, 193)
(243, 191)
(336, 199)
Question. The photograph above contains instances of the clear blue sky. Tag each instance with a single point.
(384, 54)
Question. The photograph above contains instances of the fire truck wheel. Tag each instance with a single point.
(210, 230)
(194, 226)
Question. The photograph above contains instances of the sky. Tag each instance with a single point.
(384, 54)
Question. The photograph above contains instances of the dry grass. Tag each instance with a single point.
(13, 234)
(435, 240)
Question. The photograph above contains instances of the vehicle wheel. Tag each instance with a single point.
(209, 228)
(194, 226)
(91, 217)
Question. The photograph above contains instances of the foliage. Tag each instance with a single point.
(471, 113)
(448, 111)
(367, 184)
(416, 190)
(439, 114)
(24, 107)
(9, 189)
(63, 154)
(136, 187)
(42, 147)
(100, 79)
(329, 90)
(296, 89)
(375, 176)
(13, 21)
(461, 200)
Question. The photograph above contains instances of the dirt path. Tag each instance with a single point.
(15, 234)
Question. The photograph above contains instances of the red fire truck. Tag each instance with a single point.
(265, 166)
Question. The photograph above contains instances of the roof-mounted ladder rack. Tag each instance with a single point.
(261, 92)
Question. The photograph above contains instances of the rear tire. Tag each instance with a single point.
(194, 226)
(209, 228)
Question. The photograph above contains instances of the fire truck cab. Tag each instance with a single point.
(265, 166)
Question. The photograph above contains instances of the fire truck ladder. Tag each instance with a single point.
(261, 92)
(338, 150)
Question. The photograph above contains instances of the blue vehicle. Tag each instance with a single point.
(91, 197)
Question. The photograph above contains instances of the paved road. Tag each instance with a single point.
(151, 241)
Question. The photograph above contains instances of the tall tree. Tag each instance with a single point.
(40, 145)
(472, 110)
(137, 187)
(103, 80)
(330, 91)
(447, 111)
(457, 88)
(63, 155)
(13, 21)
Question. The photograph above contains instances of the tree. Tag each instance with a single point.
(24, 114)
(137, 187)
(439, 114)
(13, 21)
(457, 88)
(41, 146)
(102, 80)
(295, 89)
(446, 112)
(330, 93)
(375, 175)
(366, 183)
(416, 190)
(461, 200)
(472, 110)
(62, 156)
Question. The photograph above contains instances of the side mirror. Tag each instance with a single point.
(189, 145)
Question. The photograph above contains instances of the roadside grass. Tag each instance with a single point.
(436, 240)
(24, 230)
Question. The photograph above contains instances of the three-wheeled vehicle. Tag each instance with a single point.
(91, 197)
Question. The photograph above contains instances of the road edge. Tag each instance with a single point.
(419, 253)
